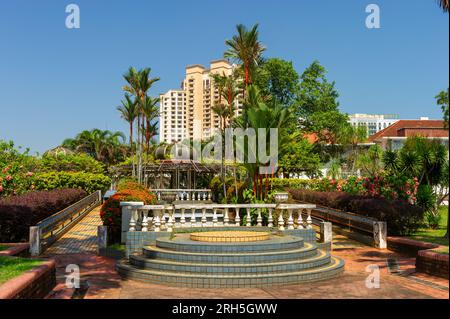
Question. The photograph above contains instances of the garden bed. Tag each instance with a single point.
(18, 213)
(22, 278)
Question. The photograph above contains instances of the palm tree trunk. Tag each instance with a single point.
(131, 148)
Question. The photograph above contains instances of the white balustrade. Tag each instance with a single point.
(162, 217)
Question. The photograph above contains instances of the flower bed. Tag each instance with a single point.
(18, 213)
(401, 217)
(111, 212)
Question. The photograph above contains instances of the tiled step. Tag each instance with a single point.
(330, 270)
(320, 259)
(276, 243)
(308, 250)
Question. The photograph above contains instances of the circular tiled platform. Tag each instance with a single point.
(230, 236)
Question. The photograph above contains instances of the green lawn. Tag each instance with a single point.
(119, 247)
(434, 235)
(443, 250)
(3, 247)
(11, 267)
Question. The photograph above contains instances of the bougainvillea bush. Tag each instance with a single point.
(111, 212)
(18, 213)
(401, 217)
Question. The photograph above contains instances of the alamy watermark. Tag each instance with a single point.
(237, 145)
(73, 19)
(373, 19)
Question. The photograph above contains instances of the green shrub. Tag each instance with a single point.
(71, 163)
(87, 181)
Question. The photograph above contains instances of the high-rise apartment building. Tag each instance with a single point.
(192, 114)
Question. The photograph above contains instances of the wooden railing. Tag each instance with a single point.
(50, 229)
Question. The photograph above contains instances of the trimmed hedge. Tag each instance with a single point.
(57, 180)
(402, 218)
(18, 213)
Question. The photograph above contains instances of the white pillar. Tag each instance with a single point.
(299, 219)
(237, 219)
(157, 223)
(193, 221)
(170, 223)
(183, 218)
(144, 221)
(290, 220)
(259, 219)
(380, 234)
(249, 218)
(203, 217)
(225, 218)
(309, 219)
(215, 217)
(281, 221)
(270, 220)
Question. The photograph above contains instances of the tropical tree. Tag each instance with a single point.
(444, 4)
(245, 48)
(228, 87)
(442, 101)
(150, 112)
(129, 112)
(259, 115)
(103, 145)
(138, 84)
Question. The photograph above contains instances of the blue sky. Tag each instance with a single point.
(55, 82)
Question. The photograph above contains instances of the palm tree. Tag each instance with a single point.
(444, 4)
(139, 82)
(257, 114)
(245, 48)
(129, 112)
(150, 112)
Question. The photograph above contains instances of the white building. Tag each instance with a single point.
(373, 122)
(172, 120)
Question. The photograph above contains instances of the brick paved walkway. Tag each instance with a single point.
(82, 238)
(99, 275)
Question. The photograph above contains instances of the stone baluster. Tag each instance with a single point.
(290, 220)
(159, 196)
(144, 221)
(270, 219)
(259, 219)
(163, 220)
(204, 196)
(203, 217)
(214, 217)
(281, 221)
(193, 221)
(170, 222)
(300, 219)
(249, 218)
(183, 218)
(133, 217)
(309, 219)
(237, 219)
(209, 195)
(177, 197)
(226, 220)
(157, 223)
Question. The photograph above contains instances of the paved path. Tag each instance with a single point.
(102, 281)
(82, 238)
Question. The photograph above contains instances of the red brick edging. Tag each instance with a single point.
(408, 246)
(432, 263)
(19, 249)
(35, 283)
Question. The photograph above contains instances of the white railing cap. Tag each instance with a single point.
(131, 204)
(296, 206)
(152, 207)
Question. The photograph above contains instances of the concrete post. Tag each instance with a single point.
(126, 216)
(326, 232)
(35, 241)
(102, 238)
(380, 234)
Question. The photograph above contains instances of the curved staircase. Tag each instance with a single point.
(280, 260)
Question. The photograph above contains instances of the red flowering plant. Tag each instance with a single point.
(392, 187)
(111, 212)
